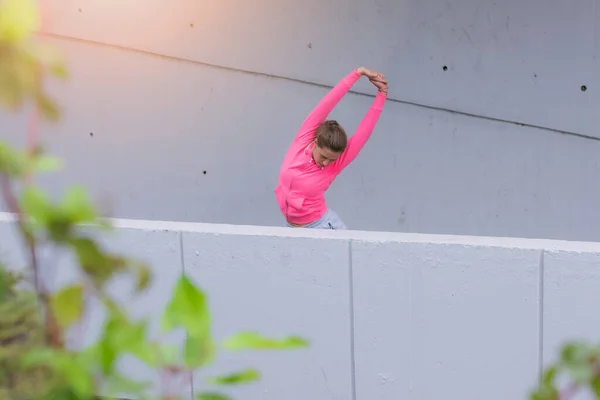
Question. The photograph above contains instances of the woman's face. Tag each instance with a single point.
(324, 156)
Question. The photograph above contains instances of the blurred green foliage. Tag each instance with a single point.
(35, 364)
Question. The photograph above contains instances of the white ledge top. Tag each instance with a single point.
(369, 236)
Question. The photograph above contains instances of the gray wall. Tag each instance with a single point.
(160, 93)
(390, 315)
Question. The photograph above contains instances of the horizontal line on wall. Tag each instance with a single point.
(393, 100)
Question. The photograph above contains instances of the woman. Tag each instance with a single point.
(319, 152)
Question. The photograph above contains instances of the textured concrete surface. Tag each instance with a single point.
(12, 252)
(571, 284)
(427, 316)
(183, 110)
(279, 286)
(502, 60)
(389, 315)
(570, 292)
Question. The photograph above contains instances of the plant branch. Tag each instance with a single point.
(13, 206)
(53, 333)
(32, 136)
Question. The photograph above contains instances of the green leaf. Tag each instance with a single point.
(67, 305)
(50, 57)
(117, 385)
(550, 375)
(149, 352)
(142, 273)
(48, 164)
(188, 308)
(545, 393)
(248, 375)
(80, 379)
(6, 283)
(121, 336)
(35, 203)
(254, 341)
(48, 107)
(12, 161)
(198, 353)
(43, 356)
(18, 19)
(579, 360)
(581, 374)
(596, 386)
(106, 355)
(68, 365)
(59, 69)
(96, 263)
(574, 353)
(168, 354)
(77, 206)
(154, 354)
(211, 396)
(60, 392)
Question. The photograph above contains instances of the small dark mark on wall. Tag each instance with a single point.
(204, 172)
(402, 218)
(445, 68)
(583, 88)
(91, 133)
(309, 45)
(191, 25)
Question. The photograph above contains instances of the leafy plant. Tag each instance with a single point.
(579, 362)
(35, 362)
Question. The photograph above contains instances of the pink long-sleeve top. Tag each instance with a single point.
(302, 184)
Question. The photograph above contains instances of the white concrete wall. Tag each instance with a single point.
(162, 91)
(390, 315)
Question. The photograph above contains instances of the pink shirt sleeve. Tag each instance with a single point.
(362, 134)
(325, 106)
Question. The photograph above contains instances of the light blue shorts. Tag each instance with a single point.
(329, 220)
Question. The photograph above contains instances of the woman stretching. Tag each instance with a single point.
(319, 152)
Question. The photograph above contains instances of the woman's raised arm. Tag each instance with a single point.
(327, 104)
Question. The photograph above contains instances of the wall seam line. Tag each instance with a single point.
(541, 318)
(264, 74)
(351, 305)
(182, 261)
